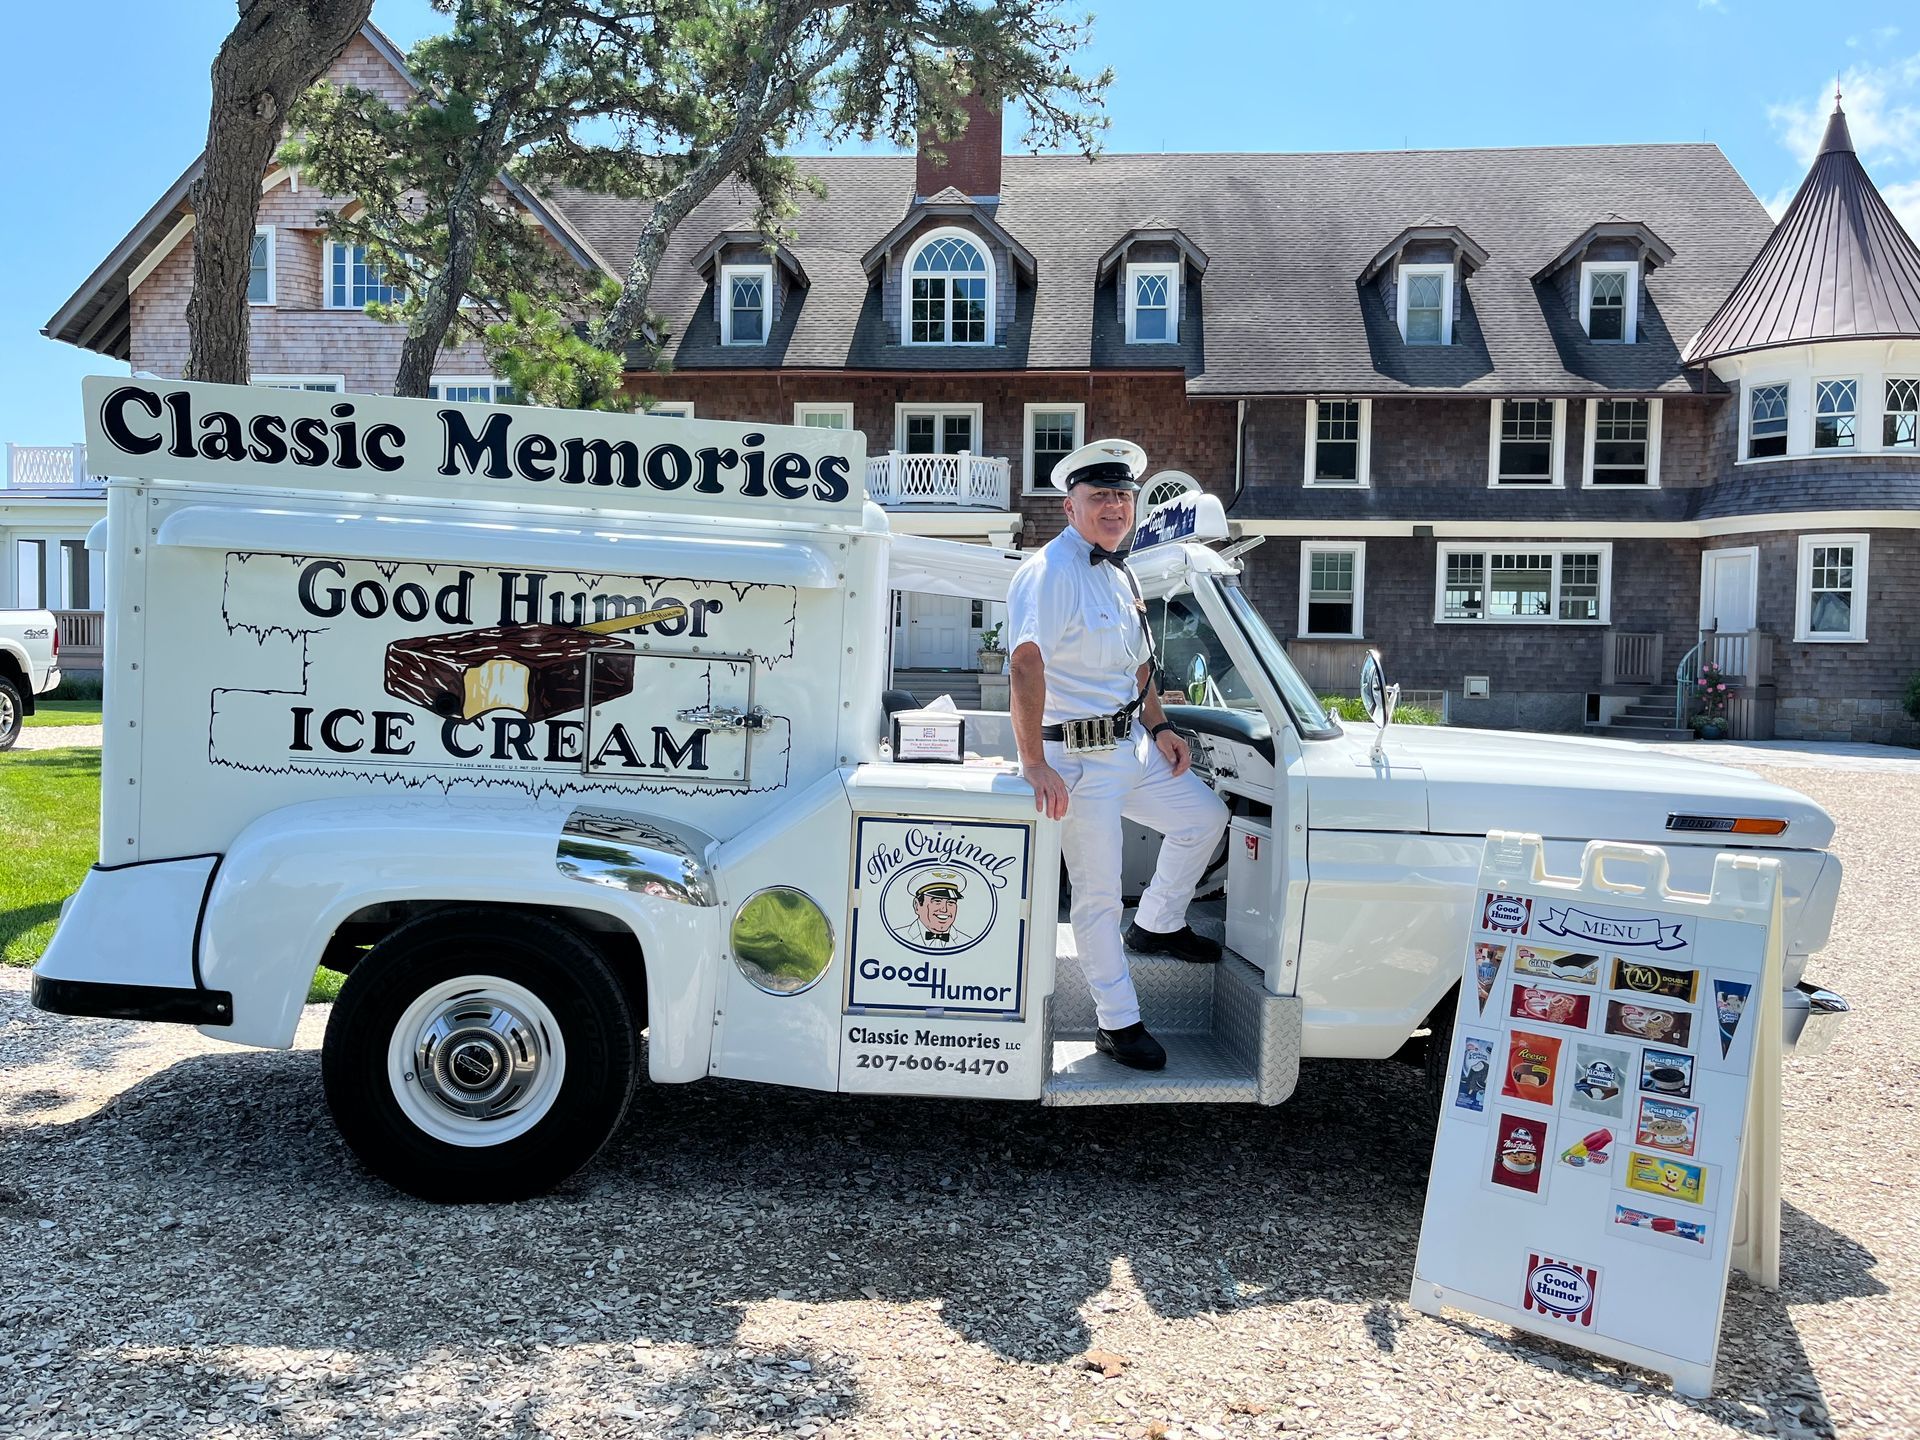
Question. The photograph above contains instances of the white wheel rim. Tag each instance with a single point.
(476, 1061)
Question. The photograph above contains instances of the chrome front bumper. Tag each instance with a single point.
(1812, 1018)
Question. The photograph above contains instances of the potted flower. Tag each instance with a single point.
(992, 657)
(1711, 695)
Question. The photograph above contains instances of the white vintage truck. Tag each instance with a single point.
(29, 666)
(562, 735)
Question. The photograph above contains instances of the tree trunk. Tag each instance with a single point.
(448, 288)
(277, 50)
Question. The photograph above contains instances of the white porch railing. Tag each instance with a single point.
(47, 467)
(964, 481)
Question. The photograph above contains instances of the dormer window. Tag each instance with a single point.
(356, 280)
(746, 304)
(949, 291)
(1153, 304)
(1609, 302)
(1426, 304)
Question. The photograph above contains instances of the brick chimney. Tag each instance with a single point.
(973, 156)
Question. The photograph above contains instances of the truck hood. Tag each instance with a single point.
(1572, 787)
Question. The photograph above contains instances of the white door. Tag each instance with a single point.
(936, 633)
(1728, 583)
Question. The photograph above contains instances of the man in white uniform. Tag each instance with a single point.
(1096, 746)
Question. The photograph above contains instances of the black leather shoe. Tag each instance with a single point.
(1194, 949)
(1131, 1045)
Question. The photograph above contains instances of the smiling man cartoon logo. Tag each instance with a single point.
(936, 904)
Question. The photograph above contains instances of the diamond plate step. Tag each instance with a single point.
(1199, 1069)
(1175, 997)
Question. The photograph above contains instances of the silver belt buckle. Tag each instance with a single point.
(1091, 736)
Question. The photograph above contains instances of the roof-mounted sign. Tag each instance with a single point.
(375, 444)
(1196, 518)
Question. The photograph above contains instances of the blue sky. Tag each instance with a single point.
(111, 104)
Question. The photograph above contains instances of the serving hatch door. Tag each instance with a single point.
(655, 715)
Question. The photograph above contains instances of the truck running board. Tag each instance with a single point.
(1227, 1039)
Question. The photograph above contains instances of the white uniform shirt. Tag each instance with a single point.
(1083, 619)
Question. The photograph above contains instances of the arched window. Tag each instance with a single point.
(949, 291)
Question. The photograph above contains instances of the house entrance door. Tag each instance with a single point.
(1728, 589)
(937, 633)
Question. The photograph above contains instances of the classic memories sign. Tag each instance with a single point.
(243, 435)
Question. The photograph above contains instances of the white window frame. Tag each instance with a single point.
(443, 382)
(1747, 387)
(905, 408)
(1887, 382)
(273, 281)
(764, 273)
(1558, 550)
(326, 281)
(947, 232)
(1557, 461)
(1171, 270)
(842, 408)
(300, 382)
(1356, 548)
(1813, 415)
(1032, 484)
(1803, 591)
(1364, 464)
(1655, 407)
(671, 410)
(1406, 272)
(1629, 322)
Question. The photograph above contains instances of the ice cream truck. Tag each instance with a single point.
(566, 737)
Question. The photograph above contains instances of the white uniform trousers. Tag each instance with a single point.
(1133, 781)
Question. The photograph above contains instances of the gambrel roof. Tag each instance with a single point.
(1279, 309)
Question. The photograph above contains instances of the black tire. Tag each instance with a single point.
(426, 1133)
(1434, 1073)
(13, 713)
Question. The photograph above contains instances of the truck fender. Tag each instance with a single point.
(294, 875)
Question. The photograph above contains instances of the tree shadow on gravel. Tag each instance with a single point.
(719, 1196)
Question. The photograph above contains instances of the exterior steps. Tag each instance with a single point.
(926, 686)
(1648, 716)
(1228, 1040)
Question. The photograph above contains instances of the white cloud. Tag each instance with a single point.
(1883, 114)
(1903, 198)
(1777, 206)
(1720, 5)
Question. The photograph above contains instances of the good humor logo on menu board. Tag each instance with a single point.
(936, 918)
(1562, 1289)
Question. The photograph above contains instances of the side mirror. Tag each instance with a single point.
(1380, 698)
(1197, 681)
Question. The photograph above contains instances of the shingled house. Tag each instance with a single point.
(1449, 387)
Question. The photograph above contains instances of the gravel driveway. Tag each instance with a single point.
(186, 1249)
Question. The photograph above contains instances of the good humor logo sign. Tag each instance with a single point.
(937, 919)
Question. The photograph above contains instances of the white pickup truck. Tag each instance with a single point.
(563, 736)
(29, 666)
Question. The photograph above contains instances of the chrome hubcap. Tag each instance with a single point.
(480, 1057)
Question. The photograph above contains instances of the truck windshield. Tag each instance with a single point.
(1183, 634)
(1308, 717)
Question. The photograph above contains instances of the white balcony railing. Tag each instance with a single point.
(964, 481)
(48, 467)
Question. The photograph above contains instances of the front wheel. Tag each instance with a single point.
(13, 713)
(474, 1056)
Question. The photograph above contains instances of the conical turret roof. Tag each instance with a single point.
(1837, 266)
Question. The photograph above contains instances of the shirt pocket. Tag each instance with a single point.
(1116, 638)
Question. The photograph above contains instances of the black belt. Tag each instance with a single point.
(1122, 721)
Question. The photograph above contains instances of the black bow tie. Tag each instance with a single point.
(1115, 558)
(939, 935)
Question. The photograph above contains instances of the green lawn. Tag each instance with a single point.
(49, 829)
(65, 712)
(49, 833)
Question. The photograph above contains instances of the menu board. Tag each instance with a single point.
(1587, 1170)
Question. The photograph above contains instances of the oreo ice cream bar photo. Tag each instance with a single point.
(539, 671)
